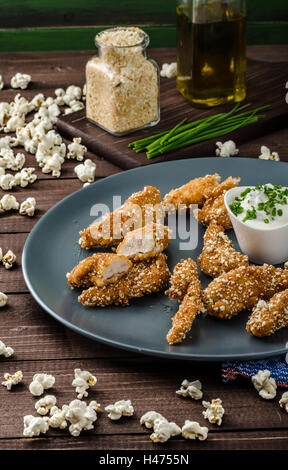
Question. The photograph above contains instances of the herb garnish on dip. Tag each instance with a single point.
(262, 205)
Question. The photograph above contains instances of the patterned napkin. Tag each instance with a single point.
(278, 367)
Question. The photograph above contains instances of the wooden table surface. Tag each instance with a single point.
(43, 345)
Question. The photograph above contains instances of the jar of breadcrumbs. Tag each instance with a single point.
(122, 82)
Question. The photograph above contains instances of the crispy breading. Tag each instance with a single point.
(138, 210)
(268, 317)
(190, 193)
(214, 206)
(98, 269)
(190, 307)
(146, 242)
(143, 278)
(218, 255)
(242, 288)
(183, 274)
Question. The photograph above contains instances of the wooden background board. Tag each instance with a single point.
(43, 345)
(69, 24)
(265, 85)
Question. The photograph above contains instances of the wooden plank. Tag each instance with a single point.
(16, 13)
(272, 76)
(28, 328)
(260, 440)
(47, 193)
(148, 388)
(79, 38)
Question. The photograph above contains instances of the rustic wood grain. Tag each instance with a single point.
(42, 344)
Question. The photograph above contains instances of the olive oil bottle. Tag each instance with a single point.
(211, 51)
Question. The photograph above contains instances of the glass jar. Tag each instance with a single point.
(211, 51)
(122, 83)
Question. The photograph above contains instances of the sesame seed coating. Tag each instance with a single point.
(136, 211)
(268, 317)
(242, 288)
(145, 277)
(218, 255)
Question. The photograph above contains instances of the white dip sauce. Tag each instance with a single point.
(263, 207)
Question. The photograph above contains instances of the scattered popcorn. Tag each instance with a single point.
(76, 105)
(163, 430)
(86, 184)
(149, 418)
(193, 430)
(1, 82)
(44, 405)
(12, 379)
(7, 182)
(81, 416)
(8, 203)
(83, 380)
(76, 150)
(40, 383)
(265, 384)
(9, 259)
(3, 297)
(5, 350)
(72, 93)
(28, 207)
(86, 171)
(283, 402)
(68, 111)
(119, 409)
(267, 155)
(25, 176)
(57, 417)
(214, 411)
(228, 149)
(20, 80)
(169, 70)
(34, 426)
(192, 389)
(59, 92)
(16, 120)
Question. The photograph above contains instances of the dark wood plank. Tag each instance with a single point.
(174, 108)
(260, 440)
(147, 387)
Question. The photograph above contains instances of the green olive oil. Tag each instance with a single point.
(211, 53)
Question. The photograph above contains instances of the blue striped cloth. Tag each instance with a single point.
(278, 367)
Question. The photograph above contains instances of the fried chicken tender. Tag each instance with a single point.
(99, 269)
(268, 317)
(191, 304)
(214, 206)
(242, 288)
(190, 193)
(145, 242)
(218, 255)
(138, 210)
(143, 278)
(183, 274)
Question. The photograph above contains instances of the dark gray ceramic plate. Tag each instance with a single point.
(52, 249)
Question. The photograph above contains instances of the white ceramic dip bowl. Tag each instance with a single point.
(262, 245)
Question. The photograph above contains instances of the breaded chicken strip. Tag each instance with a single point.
(99, 269)
(242, 288)
(145, 277)
(214, 206)
(183, 274)
(145, 242)
(218, 255)
(190, 193)
(189, 308)
(268, 317)
(139, 209)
